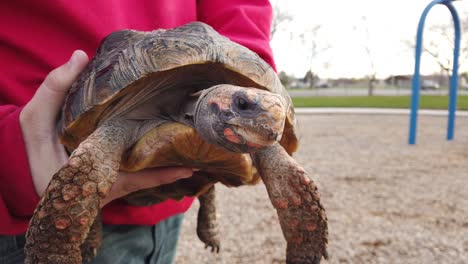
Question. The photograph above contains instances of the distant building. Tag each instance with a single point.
(343, 82)
(399, 81)
(405, 81)
(298, 83)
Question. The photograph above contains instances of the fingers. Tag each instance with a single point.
(130, 182)
(38, 117)
(46, 103)
(152, 178)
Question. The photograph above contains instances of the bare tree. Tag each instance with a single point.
(443, 38)
(284, 78)
(316, 47)
(367, 47)
(440, 47)
(280, 17)
(309, 38)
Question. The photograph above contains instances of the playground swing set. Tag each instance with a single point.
(416, 85)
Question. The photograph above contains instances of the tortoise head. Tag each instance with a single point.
(240, 119)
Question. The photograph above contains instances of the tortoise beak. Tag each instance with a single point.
(240, 119)
(258, 118)
(263, 130)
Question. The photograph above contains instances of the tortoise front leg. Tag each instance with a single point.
(207, 225)
(297, 201)
(93, 240)
(71, 202)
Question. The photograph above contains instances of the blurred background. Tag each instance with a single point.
(364, 47)
(387, 202)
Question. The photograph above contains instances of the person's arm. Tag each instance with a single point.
(18, 197)
(32, 152)
(246, 22)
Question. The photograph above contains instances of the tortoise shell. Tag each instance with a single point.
(132, 66)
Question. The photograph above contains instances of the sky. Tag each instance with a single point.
(388, 31)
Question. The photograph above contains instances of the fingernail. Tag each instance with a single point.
(195, 169)
(72, 60)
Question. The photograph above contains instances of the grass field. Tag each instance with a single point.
(427, 101)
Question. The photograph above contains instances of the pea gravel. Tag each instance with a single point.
(387, 202)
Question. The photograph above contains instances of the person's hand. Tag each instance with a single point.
(46, 155)
(131, 182)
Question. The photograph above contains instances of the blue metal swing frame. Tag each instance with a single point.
(416, 85)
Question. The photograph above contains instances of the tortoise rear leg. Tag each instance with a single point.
(207, 225)
(296, 199)
(93, 241)
(71, 202)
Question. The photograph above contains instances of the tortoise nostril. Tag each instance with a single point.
(273, 136)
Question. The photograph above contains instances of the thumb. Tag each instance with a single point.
(51, 93)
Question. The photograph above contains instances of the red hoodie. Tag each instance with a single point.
(38, 36)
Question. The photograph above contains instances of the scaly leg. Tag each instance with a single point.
(296, 199)
(93, 241)
(71, 202)
(207, 226)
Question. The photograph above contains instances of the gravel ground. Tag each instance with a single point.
(387, 202)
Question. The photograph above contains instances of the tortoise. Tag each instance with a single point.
(186, 96)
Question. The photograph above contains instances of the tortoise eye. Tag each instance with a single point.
(242, 103)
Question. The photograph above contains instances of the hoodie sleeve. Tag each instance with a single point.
(18, 197)
(247, 22)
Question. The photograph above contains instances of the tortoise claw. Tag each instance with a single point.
(88, 254)
(314, 260)
(213, 247)
(207, 226)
